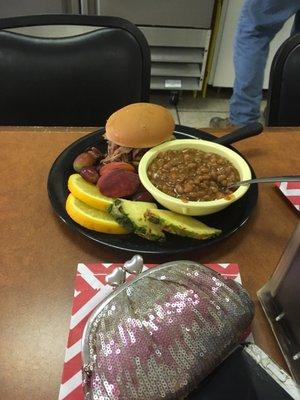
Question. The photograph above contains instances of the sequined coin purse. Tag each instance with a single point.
(159, 334)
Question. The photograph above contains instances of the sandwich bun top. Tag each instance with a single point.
(140, 125)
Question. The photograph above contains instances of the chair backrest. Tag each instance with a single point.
(283, 106)
(71, 81)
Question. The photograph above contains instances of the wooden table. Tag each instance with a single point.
(39, 254)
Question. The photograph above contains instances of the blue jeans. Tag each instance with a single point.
(259, 22)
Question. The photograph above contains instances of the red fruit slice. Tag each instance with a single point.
(118, 183)
(116, 165)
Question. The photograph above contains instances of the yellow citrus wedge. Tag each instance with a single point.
(91, 218)
(88, 193)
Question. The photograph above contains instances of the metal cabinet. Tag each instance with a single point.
(178, 57)
(13, 8)
(178, 32)
(181, 13)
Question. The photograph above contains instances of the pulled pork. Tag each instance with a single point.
(121, 153)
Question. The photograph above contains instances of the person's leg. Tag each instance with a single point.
(259, 22)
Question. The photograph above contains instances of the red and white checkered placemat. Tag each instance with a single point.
(291, 191)
(90, 290)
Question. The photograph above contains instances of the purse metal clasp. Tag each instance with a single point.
(118, 276)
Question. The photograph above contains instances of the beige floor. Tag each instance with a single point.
(196, 112)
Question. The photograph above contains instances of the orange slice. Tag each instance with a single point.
(91, 218)
(88, 193)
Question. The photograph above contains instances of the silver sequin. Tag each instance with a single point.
(161, 335)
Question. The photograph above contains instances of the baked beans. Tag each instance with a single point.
(192, 175)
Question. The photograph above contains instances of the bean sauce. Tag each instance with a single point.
(192, 175)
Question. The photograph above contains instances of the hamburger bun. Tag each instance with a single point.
(140, 125)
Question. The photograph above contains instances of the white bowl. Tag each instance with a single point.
(194, 207)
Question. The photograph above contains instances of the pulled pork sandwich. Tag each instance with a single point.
(133, 129)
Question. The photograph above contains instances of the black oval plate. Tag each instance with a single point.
(229, 220)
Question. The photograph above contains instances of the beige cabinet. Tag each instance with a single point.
(178, 32)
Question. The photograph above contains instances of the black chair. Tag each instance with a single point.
(71, 81)
(283, 105)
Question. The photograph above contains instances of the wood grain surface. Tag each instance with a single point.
(39, 254)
